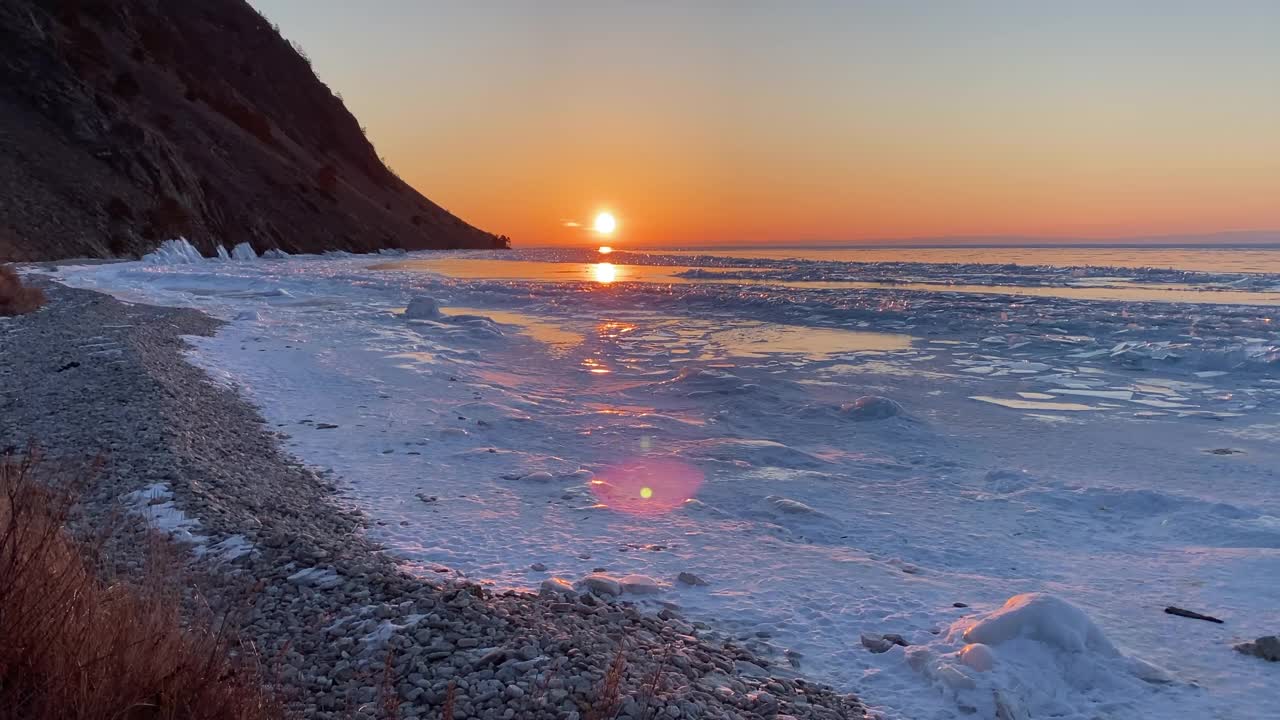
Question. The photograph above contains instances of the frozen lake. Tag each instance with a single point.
(1105, 435)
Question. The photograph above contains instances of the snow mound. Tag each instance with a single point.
(1008, 480)
(491, 412)
(155, 504)
(179, 251)
(708, 381)
(754, 452)
(316, 577)
(243, 251)
(871, 407)
(787, 506)
(475, 327)
(1045, 619)
(1037, 656)
(422, 308)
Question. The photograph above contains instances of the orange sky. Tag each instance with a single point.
(816, 121)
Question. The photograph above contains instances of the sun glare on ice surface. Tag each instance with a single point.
(605, 223)
(604, 273)
(605, 250)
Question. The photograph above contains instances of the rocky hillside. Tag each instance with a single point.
(124, 123)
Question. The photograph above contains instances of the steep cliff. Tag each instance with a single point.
(127, 122)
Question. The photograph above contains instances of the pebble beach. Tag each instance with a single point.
(337, 622)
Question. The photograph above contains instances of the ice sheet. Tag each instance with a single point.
(509, 433)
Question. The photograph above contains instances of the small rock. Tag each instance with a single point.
(689, 578)
(556, 586)
(538, 567)
(640, 585)
(1266, 647)
(882, 643)
(602, 584)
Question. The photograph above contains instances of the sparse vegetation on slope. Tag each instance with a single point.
(130, 122)
(78, 646)
(15, 297)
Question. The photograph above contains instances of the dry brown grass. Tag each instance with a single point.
(608, 699)
(16, 298)
(76, 646)
(446, 712)
(388, 696)
(651, 693)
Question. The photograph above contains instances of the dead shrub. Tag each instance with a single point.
(16, 298)
(388, 696)
(608, 699)
(79, 646)
(446, 712)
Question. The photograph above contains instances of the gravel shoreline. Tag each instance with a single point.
(330, 615)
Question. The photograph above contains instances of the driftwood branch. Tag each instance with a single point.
(1189, 614)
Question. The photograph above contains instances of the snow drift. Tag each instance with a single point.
(1037, 656)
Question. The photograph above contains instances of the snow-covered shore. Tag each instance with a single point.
(1118, 456)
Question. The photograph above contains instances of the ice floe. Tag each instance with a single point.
(178, 251)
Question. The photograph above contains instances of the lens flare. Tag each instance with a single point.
(647, 486)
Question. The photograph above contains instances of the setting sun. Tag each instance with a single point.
(605, 223)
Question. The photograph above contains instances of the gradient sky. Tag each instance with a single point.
(740, 122)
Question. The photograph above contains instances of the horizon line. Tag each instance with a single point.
(1221, 239)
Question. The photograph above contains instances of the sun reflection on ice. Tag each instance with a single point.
(604, 273)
